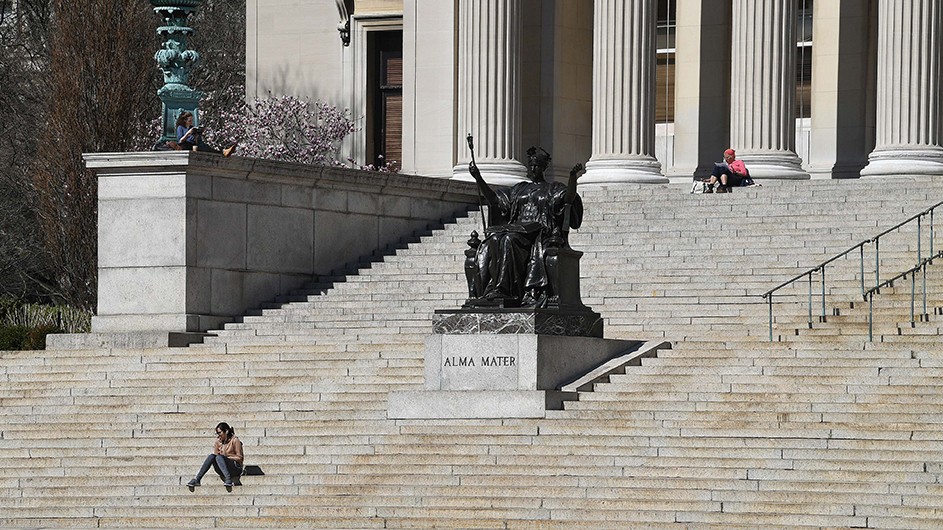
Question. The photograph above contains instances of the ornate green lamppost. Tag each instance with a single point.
(175, 60)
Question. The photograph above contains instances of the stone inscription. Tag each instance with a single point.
(487, 361)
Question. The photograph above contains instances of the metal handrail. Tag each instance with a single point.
(912, 272)
(876, 241)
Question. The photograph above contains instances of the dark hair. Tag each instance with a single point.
(182, 119)
(223, 426)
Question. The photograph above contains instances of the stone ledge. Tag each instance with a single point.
(291, 173)
(136, 339)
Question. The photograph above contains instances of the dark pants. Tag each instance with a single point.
(224, 467)
(733, 179)
(202, 147)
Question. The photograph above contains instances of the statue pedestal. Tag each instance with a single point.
(505, 363)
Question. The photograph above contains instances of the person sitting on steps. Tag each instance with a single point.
(191, 138)
(731, 172)
(226, 458)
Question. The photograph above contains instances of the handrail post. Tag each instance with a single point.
(871, 316)
(913, 288)
(919, 238)
(877, 262)
(931, 232)
(810, 300)
(771, 317)
(823, 293)
(862, 269)
(925, 265)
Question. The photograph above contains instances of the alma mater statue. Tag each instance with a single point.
(517, 263)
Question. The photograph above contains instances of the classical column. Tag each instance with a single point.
(909, 98)
(489, 89)
(763, 88)
(623, 95)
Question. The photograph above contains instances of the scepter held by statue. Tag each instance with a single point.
(481, 207)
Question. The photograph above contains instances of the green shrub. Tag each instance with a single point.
(14, 337)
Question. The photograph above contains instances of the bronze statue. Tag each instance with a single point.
(516, 265)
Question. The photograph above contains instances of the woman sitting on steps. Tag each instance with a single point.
(226, 458)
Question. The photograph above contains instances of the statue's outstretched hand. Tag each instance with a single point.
(473, 169)
(577, 170)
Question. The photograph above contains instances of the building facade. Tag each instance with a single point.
(641, 90)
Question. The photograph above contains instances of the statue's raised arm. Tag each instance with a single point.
(490, 196)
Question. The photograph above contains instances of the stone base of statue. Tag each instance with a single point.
(498, 321)
(505, 363)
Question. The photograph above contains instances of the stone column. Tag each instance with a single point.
(909, 130)
(489, 86)
(623, 95)
(763, 88)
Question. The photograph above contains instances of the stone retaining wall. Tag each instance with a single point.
(188, 241)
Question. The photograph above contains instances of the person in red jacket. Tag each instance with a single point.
(730, 172)
(226, 458)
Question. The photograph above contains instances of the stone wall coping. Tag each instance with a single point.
(288, 173)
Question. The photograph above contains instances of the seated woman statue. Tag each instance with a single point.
(526, 220)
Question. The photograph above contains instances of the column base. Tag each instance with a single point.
(632, 170)
(504, 173)
(903, 162)
(782, 165)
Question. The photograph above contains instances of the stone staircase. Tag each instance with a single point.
(819, 428)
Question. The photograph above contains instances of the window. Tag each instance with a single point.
(804, 60)
(385, 85)
(665, 62)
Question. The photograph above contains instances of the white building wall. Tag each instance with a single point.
(293, 47)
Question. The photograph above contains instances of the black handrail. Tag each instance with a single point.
(869, 294)
(923, 263)
(817, 268)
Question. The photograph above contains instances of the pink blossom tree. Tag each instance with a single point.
(282, 128)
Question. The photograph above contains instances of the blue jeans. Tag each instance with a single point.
(224, 467)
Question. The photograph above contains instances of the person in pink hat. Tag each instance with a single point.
(731, 172)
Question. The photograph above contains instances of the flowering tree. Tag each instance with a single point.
(277, 128)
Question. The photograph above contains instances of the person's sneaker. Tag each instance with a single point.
(709, 189)
(228, 483)
(193, 483)
(721, 189)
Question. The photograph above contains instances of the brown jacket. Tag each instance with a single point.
(231, 449)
